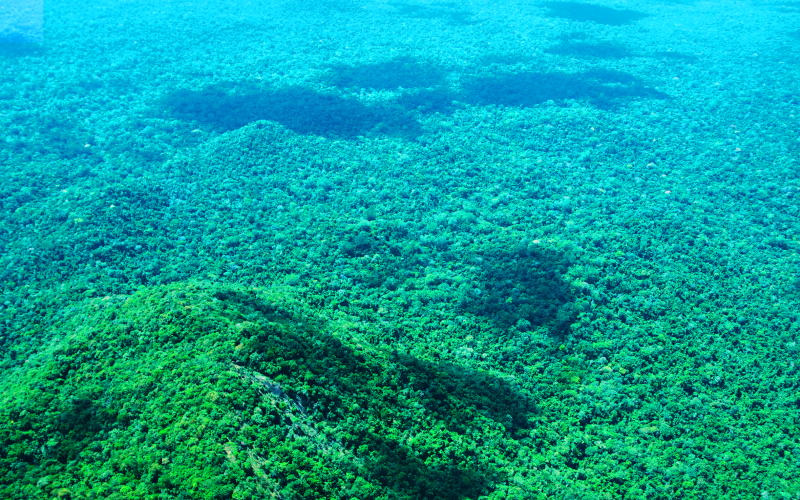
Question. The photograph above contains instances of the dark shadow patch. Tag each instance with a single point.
(602, 88)
(344, 6)
(334, 375)
(229, 106)
(31, 36)
(79, 419)
(428, 101)
(611, 76)
(674, 56)
(286, 377)
(785, 7)
(503, 59)
(359, 245)
(399, 72)
(605, 89)
(452, 396)
(450, 13)
(65, 138)
(524, 289)
(573, 35)
(8, 49)
(602, 50)
(52, 133)
(125, 266)
(585, 12)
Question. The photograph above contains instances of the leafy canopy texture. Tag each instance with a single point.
(205, 391)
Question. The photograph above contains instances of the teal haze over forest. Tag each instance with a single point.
(374, 250)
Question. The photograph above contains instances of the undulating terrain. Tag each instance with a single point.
(374, 250)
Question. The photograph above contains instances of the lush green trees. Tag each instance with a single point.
(228, 392)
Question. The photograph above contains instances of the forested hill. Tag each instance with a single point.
(208, 391)
(400, 250)
(224, 392)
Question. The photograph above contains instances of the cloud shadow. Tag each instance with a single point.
(57, 134)
(503, 59)
(603, 88)
(20, 49)
(343, 6)
(523, 289)
(674, 55)
(791, 7)
(573, 35)
(449, 13)
(228, 106)
(429, 101)
(602, 50)
(389, 75)
(385, 416)
(334, 375)
(584, 12)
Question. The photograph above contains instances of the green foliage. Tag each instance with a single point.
(226, 392)
(465, 258)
